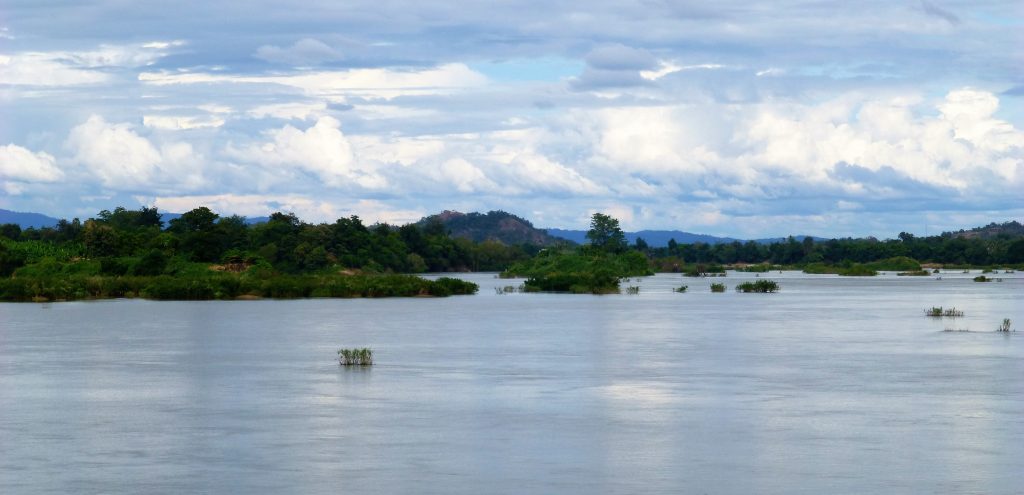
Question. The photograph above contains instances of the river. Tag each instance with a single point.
(832, 385)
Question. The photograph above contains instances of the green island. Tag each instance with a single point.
(200, 255)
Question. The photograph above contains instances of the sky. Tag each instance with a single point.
(743, 119)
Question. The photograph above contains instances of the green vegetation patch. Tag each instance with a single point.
(717, 287)
(355, 357)
(227, 286)
(580, 272)
(761, 286)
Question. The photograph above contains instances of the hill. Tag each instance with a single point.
(1006, 229)
(26, 219)
(498, 226)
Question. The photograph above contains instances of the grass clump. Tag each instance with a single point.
(982, 278)
(857, 270)
(680, 289)
(914, 273)
(717, 287)
(760, 286)
(938, 311)
(1005, 326)
(355, 357)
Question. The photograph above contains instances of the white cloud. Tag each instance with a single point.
(288, 111)
(21, 164)
(321, 149)
(38, 69)
(180, 122)
(369, 83)
(121, 159)
(71, 68)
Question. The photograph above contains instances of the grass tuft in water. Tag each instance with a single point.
(761, 286)
(1005, 327)
(681, 289)
(982, 278)
(938, 312)
(717, 287)
(355, 357)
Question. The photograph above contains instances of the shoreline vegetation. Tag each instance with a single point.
(200, 255)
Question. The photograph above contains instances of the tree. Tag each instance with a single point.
(605, 234)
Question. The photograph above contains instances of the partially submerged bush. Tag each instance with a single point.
(355, 357)
(915, 273)
(680, 289)
(762, 286)
(857, 270)
(717, 287)
(1005, 326)
(982, 278)
(937, 311)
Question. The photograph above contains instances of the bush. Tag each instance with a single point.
(717, 287)
(355, 357)
(761, 286)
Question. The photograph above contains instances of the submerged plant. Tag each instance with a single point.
(1005, 327)
(681, 289)
(937, 311)
(633, 290)
(982, 278)
(762, 286)
(717, 287)
(355, 357)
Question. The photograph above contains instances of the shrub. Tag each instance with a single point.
(1005, 326)
(717, 287)
(937, 311)
(761, 286)
(355, 357)
(982, 278)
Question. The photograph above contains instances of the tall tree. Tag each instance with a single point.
(605, 234)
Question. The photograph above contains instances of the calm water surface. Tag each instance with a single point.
(834, 385)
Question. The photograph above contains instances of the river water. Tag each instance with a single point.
(833, 385)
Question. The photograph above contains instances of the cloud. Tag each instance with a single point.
(181, 122)
(321, 149)
(307, 51)
(74, 68)
(936, 11)
(121, 159)
(288, 111)
(620, 57)
(369, 83)
(20, 166)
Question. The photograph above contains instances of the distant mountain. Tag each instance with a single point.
(1011, 229)
(498, 226)
(26, 219)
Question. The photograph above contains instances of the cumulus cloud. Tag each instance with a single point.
(322, 149)
(20, 166)
(307, 51)
(121, 159)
